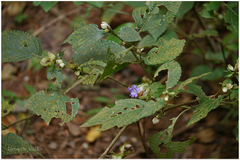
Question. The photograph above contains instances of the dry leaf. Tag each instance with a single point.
(93, 133)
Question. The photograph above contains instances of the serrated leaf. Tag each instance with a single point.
(128, 34)
(124, 112)
(6, 108)
(98, 51)
(19, 46)
(232, 17)
(55, 73)
(167, 51)
(174, 72)
(157, 89)
(190, 80)
(52, 105)
(207, 12)
(164, 137)
(92, 77)
(172, 7)
(13, 144)
(84, 35)
(204, 108)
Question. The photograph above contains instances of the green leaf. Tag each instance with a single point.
(232, 17)
(30, 89)
(168, 35)
(84, 35)
(112, 64)
(174, 72)
(98, 4)
(167, 51)
(13, 144)
(206, 33)
(98, 51)
(172, 7)
(52, 105)
(157, 89)
(101, 99)
(55, 73)
(124, 112)
(117, 29)
(207, 12)
(6, 108)
(110, 13)
(128, 34)
(19, 46)
(147, 41)
(92, 77)
(136, 4)
(47, 5)
(184, 8)
(190, 80)
(165, 138)
(204, 108)
(197, 90)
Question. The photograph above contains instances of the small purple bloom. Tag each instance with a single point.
(134, 91)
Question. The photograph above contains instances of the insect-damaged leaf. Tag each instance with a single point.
(98, 51)
(124, 112)
(128, 34)
(84, 35)
(167, 51)
(13, 144)
(6, 108)
(19, 46)
(231, 17)
(174, 72)
(165, 138)
(204, 108)
(55, 73)
(52, 105)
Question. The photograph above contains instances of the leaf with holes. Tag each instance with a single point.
(174, 72)
(13, 144)
(52, 105)
(98, 51)
(128, 34)
(167, 51)
(231, 17)
(6, 108)
(84, 35)
(124, 112)
(92, 77)
(165, 138)
(204, 108)
(55, 73)
(172, 7)
(19, 46)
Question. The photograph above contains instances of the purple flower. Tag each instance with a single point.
(134, 91)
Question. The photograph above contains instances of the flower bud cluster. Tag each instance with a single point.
(227, 87)
(49, 60)
(168, 94)
(60, 63)
(105, 27)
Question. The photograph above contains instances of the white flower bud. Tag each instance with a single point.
(155, 120)
(104, 25)
(59, 61)
(77, 72)
(62, 65)
(51, 56)
(230, 67)
(171, 93)
(224, 89)
(229, 86)
(45, 61)
(166, 98)
(106, 30)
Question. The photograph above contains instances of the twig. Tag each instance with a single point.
(74, 83)
(18, 122)
(113, 142)
(117, 81)
(141, 132)
(60, 17)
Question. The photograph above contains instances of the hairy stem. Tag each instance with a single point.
(113, 142)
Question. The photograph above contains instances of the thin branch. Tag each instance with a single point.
(6, 127)
(141, 132)
(74, 83)
(117, 81)
(113, 142)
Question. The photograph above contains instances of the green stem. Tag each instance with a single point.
(17, 122)
(139, 62)
(118, 81)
